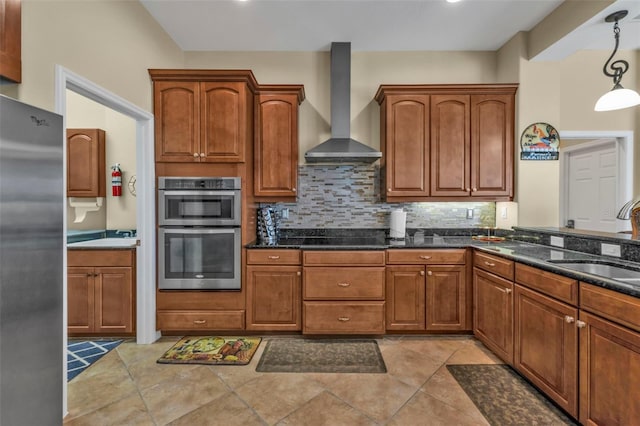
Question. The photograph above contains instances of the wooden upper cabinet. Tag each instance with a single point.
(445, 142)
(450, 145)
(177, 121)
(276, 141)
(86, 175)
(405, 142)
(492, 145)
(10, 40)
(203, 115)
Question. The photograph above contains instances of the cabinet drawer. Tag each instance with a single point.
(343, 318)
(201, 320)
(100, 257)
(273, 257)
(618, 307)
(563, 288)
(494, 264)
(431, 257)
(328, 258)
(344, 283)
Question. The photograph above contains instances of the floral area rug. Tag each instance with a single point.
(505, 398)
(82, 353)
(321, 356)
(211, 350)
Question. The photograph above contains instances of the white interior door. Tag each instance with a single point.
(593, 186)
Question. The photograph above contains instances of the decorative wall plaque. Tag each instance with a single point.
(539, 141)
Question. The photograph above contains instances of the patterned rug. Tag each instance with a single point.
(82, 353)
(321, 356)
(211, 350)
(505, 398)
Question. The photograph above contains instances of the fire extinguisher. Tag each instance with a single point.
(116, 180)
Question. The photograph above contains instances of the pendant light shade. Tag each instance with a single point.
(618, 97)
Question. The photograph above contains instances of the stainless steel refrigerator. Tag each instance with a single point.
(31, 260)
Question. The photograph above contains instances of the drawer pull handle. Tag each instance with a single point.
(344, 319)
(199, 321)
(568, 319)
(489, 263)
(274, 257)
(344, 284)
(425, 257)
(581, 324)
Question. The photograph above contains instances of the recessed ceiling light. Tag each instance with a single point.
(453, 1)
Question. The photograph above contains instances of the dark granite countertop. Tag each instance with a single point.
(535, 255)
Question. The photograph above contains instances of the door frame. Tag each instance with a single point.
(624, 149)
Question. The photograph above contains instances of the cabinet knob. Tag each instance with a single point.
(468, 189)
(581, 324)
(508, 290)
(195, 155)
(569, 319)
(199, 322)
(298, 273)
(202, 155)
(273, 257)
(422, 273)
(344, 319)
(294, 190)
(344, 284)
(429, 273)
(389, 189)
(89, 274)
(425, 257)
(475, 189)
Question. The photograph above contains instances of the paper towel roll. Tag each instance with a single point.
(398, 224)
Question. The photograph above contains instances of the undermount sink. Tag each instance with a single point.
(106, 242)
(600, 268)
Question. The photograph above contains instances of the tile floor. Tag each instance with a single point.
(128, 387)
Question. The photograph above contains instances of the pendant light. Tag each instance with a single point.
(618, 97)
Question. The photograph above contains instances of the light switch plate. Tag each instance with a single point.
(557, 241)
(610, 249)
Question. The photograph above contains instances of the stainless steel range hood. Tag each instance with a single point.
(340, 147)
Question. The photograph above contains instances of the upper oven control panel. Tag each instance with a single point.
(199, 183)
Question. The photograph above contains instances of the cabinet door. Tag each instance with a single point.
(224, 121)
(546, 346)
(10, 35)
(276, 147)
(407, 146)
(446, 299)
(492, 145)
(113, 300)
(86, 163)
(405, 295)
(80, 300)
(450, 145)
(274, 298)
(493, 313)
(609, 373)
(177, 121)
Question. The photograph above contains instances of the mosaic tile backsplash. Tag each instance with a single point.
(348, 196)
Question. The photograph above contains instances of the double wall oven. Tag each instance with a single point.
(199, 233)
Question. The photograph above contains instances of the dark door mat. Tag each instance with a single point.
(505, 398)
(321, 356)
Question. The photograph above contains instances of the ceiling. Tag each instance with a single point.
(377, 25)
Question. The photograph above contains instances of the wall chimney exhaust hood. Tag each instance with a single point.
(340, 148)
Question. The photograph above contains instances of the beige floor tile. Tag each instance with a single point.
(228, 410)
(424, 409)
(183, 393)
(474, 353)
(131, 352)
(275, 395)
(237, 375)
(147, 372)
(413, 368)
(110, 362)
(444, 387)
(326, 410)
(437, 348)
(129, 411)
(379, 396)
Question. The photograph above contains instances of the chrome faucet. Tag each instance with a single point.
(627, 209)
(125, 234)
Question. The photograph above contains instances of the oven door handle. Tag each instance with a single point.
(220, 230)
(200, 192)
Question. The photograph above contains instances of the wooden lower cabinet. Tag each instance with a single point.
(430, 297)
(609, 372)
(546, 345)
(193, 320)
(493, 313)
(274, 298)
(100, 299)
(343, 317)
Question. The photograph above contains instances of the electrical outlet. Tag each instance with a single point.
(610, 249)
(504, 213)
(557, 241)
(469, 213)
(284, 213)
